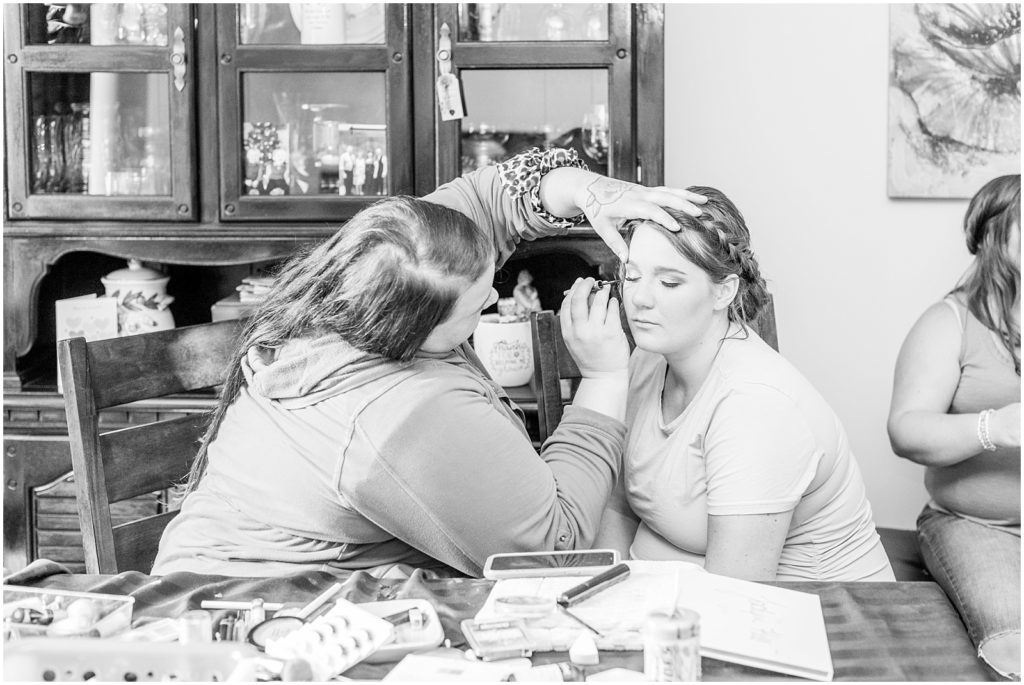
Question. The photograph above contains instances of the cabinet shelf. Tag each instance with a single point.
(213, 94)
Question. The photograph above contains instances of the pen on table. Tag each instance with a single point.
(598, 285)
(579, 620)
(589, 588)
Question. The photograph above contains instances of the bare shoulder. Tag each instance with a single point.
(937, 330)
(939, 320)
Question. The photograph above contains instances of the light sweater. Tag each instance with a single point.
(334, 458)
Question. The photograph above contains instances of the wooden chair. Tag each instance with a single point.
(552, 363)
(121, 464)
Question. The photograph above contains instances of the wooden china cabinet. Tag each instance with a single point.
(211, 141)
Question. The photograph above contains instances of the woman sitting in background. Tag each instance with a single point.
(733, 460)
(956, 410)
(356, 429)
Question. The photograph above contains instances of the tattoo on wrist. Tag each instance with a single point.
(603, 191)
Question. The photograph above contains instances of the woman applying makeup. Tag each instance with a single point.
(357, 430)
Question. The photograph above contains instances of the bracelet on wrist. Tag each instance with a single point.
(984, 436)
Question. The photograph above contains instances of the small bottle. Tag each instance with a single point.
(195, 627)
(561, 672)
(672, 646)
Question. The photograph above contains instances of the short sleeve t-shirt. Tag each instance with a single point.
(756, 438)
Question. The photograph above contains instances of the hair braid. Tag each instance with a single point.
(734, 248)
(718, 241)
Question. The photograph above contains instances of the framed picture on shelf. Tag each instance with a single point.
(268, 163)
(363, 159)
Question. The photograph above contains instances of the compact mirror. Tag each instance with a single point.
(273, 629)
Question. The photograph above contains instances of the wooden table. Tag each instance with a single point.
(876, 631)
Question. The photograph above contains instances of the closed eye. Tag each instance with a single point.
(666, 284)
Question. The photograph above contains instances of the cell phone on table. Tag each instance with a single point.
(580, 562)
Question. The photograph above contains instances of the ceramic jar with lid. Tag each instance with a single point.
(142, 299)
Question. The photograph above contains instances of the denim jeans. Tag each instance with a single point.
(979, 568)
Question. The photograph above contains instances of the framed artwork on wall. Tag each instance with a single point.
(954, 97)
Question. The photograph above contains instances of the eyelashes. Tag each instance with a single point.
(666, 284)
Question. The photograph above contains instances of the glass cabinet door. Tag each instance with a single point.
(314, 107)
(539, 75)
(99, 111)
(524, 22)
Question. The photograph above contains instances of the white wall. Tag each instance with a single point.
(783, 107)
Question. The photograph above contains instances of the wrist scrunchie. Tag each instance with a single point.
(520, 175)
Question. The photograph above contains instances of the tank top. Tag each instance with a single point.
(985, 487)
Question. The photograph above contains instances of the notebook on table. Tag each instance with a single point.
(742, 622)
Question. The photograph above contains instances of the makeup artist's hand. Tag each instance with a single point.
(592, 331)
(608, 203)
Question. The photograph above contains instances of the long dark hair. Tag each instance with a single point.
(381, 283)
(718, 241)
(992, 284)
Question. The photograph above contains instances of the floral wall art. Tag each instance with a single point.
(954, 97)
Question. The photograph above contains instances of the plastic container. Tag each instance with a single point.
(408, 638)
(334, 642)
(77, 659)
(32, 612)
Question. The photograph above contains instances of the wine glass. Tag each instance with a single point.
(595, 133)
(76, 133)
(41, 154)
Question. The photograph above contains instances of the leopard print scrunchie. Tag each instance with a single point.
(520, 175)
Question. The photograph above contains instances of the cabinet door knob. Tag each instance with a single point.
(178, 58)
(444, 49)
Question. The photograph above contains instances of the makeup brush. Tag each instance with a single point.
(598, 285)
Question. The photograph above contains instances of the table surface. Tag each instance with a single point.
(876, 631)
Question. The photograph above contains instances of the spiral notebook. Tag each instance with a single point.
(742, 622)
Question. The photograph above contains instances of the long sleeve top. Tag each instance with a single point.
(330, 457)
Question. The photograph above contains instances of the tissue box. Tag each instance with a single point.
(30, 612)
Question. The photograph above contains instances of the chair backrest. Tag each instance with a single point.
(552, 362)
(121, 464)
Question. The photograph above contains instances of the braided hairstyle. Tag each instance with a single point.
(718, 241)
